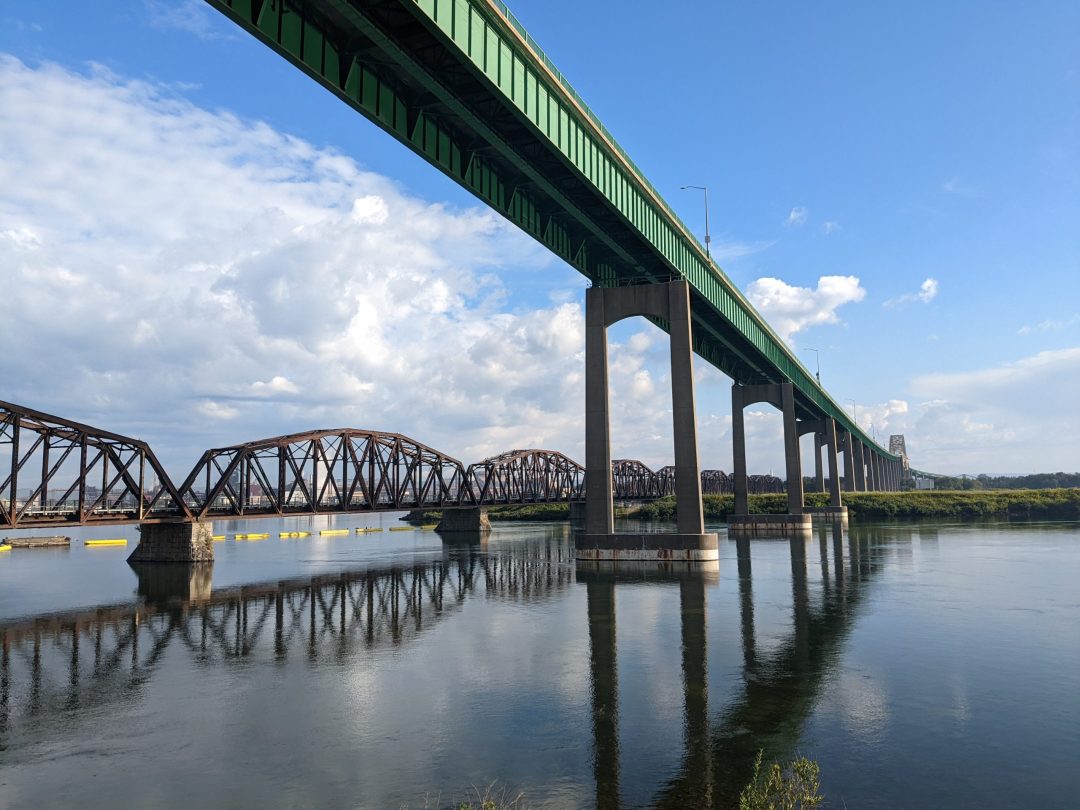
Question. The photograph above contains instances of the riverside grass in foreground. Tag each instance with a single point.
(1014, 504)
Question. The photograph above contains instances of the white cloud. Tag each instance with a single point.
(791, 309)
(928, 291)
(1014, 417)
(797, 216)
(200, 280)
(1049, 325)
(830, 226)
(956, 186)
(191, 16)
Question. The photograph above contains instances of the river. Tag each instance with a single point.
(922, 665)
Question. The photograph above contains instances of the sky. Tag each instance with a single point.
(199, 246)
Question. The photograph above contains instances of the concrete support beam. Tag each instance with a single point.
(849, 463)
(738, 447)
(871, 469)
(782, 396)
(174, 543)
(470, 519)
(605, 306)
(819, 471)
(834, 466)
(860, 465)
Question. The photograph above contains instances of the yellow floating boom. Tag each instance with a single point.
(217, 538)
(429, 526)
(4, 548)
(294, 534)
(401, 528)
(333, 532)
(112, 542)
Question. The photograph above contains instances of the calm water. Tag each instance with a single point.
(921, 666)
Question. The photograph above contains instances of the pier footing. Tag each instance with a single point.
(750, 524)
(647, 547)
(174, 543)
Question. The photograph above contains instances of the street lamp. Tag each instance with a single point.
(817, 363)
(854, 411)
(707, 237)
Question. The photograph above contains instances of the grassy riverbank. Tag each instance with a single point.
(985, 504)
(1023, 504)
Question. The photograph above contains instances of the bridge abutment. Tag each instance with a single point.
(470, 519)
(605, 306)
(174, 543)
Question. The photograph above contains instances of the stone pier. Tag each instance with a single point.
(174, 543)
(471, 519)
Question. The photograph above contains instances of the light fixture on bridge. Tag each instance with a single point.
(708, 238)
(817, 363)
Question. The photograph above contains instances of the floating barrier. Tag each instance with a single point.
(252, 536)
(366, 529)
(4, 548)
(401, 528)
(37, 542)
(427, 527)
(217, 538)
(112, 542)
(333, 532)
(294, 534)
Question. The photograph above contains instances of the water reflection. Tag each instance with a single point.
(779, 689)
(56, 667)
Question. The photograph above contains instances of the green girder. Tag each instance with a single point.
(462, 84)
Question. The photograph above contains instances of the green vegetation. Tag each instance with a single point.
(1058, 480)
(1006, 504)
(791, 786)
(995, 504)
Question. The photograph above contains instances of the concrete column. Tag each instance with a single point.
(791, 451)
(849, 462)
(834, 467)
(871, 469)
(860, 466)
(174, 543)
(689, 513)
(819, 472)
(599, 509)
(738, 446)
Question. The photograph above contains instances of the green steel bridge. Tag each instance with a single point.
(462, 84)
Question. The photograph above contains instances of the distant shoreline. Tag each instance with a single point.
(1014, 504)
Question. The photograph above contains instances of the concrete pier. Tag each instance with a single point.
(605, 306)
(174, 543)
(781, 396)
(470, 519)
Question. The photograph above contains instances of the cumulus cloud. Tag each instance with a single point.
(197, 280)
(797, 216)
(830, 226)
(928, 291)
(791, 309)
(1014, 417)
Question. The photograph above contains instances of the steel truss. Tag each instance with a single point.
(323, 471)
(526, 476)
(61, 472)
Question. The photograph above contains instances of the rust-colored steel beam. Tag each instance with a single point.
(64, 472)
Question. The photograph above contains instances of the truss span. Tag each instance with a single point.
(325, 471)
(526, 476)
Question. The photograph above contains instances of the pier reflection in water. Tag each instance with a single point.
(779, 688)
(506, 660)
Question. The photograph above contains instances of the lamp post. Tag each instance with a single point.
(708, 239)
(817, 363)
(854, 411)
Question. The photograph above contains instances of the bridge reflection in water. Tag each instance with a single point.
(779, 689)
(56, 666)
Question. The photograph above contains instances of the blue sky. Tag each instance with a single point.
(924, 157)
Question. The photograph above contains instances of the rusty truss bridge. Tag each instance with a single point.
(59, 472)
